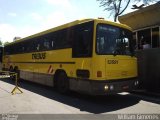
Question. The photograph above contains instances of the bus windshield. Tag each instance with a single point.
(113, 40)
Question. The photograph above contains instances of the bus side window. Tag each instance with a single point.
(70, 36)
(46, 45)
(32, 46)
(82, 44)
(28, 47)
(53, 38)
(38, 47)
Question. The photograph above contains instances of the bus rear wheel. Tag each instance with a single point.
(62, 82)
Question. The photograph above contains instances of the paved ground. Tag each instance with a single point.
(44, 100)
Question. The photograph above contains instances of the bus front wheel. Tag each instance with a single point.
(62, 82)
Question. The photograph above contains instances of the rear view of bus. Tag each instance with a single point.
(116, 66)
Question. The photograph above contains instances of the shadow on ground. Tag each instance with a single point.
(91, 104)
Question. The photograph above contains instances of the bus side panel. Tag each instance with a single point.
(42, 70)
(82, 72)
(43, 79)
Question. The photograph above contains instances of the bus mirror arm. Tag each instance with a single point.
(115, 52)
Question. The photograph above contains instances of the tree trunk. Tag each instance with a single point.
(115, 17)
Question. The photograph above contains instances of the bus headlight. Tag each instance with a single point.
(111, 87)
(136, 83)
(106, 87)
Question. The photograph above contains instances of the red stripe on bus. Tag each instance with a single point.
(52, 70)
(49, 69)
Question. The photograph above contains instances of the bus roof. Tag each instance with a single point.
(69, 25)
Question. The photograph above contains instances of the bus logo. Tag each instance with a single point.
(39, 56)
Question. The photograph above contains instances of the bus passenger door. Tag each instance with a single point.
(82, 48)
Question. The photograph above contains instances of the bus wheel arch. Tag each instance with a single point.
(61, 81)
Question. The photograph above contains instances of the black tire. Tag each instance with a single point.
(62, 82)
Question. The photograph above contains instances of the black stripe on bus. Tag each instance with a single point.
(45, 62)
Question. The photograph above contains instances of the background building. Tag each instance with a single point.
(146, 25)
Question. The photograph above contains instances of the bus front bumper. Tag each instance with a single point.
(103, 87)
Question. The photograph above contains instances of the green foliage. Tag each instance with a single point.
(0, 42)
(6, 42)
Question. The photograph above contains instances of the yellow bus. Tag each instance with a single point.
(91, 56)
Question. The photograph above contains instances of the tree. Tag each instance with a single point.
(0, 42)
(117, 7)
(6, 42)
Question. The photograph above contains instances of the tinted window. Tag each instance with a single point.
(82, 44)
(61, 39)
(113, 40)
